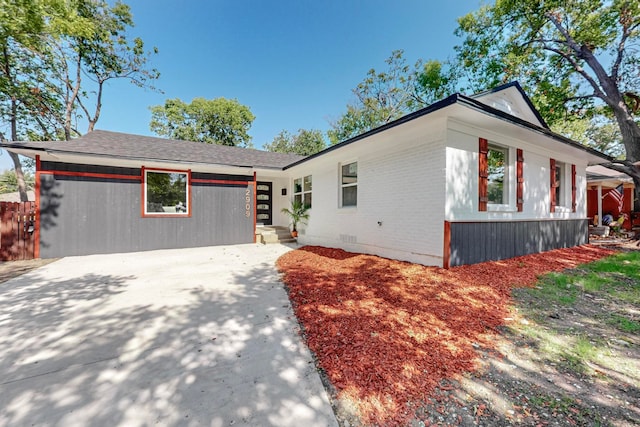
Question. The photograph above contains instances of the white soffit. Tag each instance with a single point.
(483, 120)
(607, 177)
(510, 101)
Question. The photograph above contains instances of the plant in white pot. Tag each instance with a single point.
(297, 215)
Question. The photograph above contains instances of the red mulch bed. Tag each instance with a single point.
(388, 332)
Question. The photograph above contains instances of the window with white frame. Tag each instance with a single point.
(302, 190)
(349, 184)
(166, 193)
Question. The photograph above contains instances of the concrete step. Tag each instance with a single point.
(273, 234)
(274, 239)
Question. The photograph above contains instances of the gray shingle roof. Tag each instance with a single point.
(127, 146)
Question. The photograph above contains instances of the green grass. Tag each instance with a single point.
(610, 282)
(568, 407)
(555, 288)
(624, 324)
(577, 353)
(617, 276)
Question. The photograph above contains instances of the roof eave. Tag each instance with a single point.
(472, 103)
(57, 153)
(404, 119)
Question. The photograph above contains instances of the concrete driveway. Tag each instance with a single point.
(184, 337)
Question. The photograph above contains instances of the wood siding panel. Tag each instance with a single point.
(447, 245)
(573, 188)
(88, 215)
(552, 186)
(519, 180)
(474, 242)
(483, 174)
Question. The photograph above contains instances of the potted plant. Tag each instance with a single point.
(297, 214)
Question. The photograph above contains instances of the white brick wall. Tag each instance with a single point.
(400, 184)
(405, 192)
(462, 178)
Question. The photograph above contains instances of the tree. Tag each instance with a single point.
(104, 55)
(21, 23)
(55, 59)
(380, 98)
(388, 95)
(598, 133)
(305, 142)
(9, 181)
(165, 189)
(215, 121)
(576, 57)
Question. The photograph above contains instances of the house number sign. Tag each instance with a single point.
(247, 199)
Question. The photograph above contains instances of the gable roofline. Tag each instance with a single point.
(251, 158)
(526, 98)
(475, 104)
(469, 102)
(450, 100)
(141, 148)
(142, 159)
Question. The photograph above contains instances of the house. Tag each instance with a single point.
(610, 192)
(464, 180)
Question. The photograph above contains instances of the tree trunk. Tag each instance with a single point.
(22, 185)
(630, 131)
(17, 167)
(636, 191)
(13, 121)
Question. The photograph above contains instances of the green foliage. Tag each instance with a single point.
(599, 133)
(9, 181)
(384, 96)
(305, 142)
(166, 189)
(57, 58)
(580, 352)
(297, 214)
(380, 98)
(355, 121)
(620, 265)
(215, 121)
(434, 80)
(577, 59)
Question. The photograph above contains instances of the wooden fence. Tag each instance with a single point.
(17, 230)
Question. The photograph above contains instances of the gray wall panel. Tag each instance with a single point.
(83, 215)
(483, 241)
(74, 167)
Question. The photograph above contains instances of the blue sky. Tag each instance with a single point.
(293, 63)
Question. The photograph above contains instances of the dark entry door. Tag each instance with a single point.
(264, 203)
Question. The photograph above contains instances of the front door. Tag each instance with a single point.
(264, 203)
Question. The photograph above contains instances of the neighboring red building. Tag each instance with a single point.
(601, 183)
